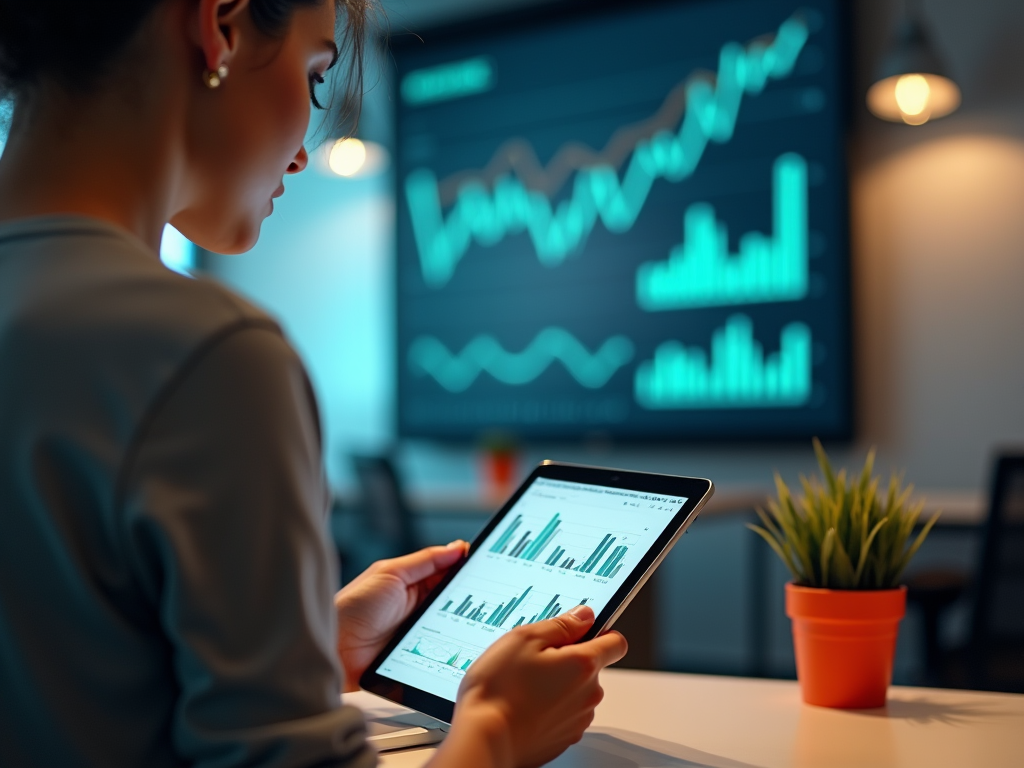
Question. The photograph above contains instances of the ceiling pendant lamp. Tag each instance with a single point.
(911, 85)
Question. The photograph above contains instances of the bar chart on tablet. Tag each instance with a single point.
(562, 545)
(581, 548)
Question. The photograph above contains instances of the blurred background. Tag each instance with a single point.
(455, 337)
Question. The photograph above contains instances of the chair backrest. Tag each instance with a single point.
(999, 597)
(384, 511)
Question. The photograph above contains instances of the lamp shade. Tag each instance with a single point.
(911, 85)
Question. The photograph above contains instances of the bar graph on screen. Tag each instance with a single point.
(498, 617)
(739, 374)
(700, 272)
(579, 547)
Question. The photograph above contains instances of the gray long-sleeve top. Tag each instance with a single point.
(165, 572)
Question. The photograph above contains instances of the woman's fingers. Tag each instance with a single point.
(606, 649)
(416, 567)
(564, 629)
(543, 686)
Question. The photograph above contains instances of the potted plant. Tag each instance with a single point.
(847, 545)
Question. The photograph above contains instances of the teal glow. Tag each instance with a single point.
(598, 193)
(177, 252)
(456, 372)
(700, 272)
(6, 113)
(448, 81)
(740, 376)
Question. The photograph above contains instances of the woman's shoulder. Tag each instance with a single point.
(77, 280)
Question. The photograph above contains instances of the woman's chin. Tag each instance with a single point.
(217, 237)
(247, 240)
(243, 239)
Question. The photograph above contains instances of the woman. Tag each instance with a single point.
(165, 578)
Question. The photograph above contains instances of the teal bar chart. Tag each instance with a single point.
(500, 615)
(739, 373)
(700, 272)
(525, 547)
(521, 546)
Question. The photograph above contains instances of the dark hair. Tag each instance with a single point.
(74, 41)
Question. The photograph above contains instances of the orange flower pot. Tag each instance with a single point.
(845, 641)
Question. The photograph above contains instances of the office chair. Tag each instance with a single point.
(993, 657)
(996, 648)
(379, 524)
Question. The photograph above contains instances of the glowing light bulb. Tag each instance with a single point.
(912, 94)
(348, 156)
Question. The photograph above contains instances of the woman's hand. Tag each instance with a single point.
(530, 695)
(372, 606)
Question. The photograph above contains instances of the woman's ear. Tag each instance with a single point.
(216, 30)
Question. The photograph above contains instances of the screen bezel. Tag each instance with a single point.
(695, 490)
(843, 429)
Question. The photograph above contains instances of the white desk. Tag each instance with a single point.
(660, 720)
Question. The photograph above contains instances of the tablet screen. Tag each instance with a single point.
(562, 544)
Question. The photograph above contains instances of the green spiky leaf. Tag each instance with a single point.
(843, 532)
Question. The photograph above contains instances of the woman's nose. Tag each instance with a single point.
(300, 162)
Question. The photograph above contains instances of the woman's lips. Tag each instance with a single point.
(279, 191)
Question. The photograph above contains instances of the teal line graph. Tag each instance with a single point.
(487, 217)
(739, 376)
(444, 653)
(700, 272)
(457, 372)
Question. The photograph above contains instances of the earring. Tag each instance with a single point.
(214, 79)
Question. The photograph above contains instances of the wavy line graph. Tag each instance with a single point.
(457, 372)
(487, 217)
(518, 156)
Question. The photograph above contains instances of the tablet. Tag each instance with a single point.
(570, 535)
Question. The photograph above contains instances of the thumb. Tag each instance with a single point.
(564, 629)
(423, 564)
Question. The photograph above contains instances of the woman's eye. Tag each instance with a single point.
(315, 79)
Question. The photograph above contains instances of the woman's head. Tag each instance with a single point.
(228, 147)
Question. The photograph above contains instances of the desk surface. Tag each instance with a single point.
(661, 720)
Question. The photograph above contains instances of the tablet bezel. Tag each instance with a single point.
(696, 491)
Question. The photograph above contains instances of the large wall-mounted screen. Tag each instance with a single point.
(625, 219)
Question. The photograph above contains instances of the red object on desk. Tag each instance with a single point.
(499, 473)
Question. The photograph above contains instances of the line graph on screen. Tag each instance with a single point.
(456, 372)
(486, 216)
